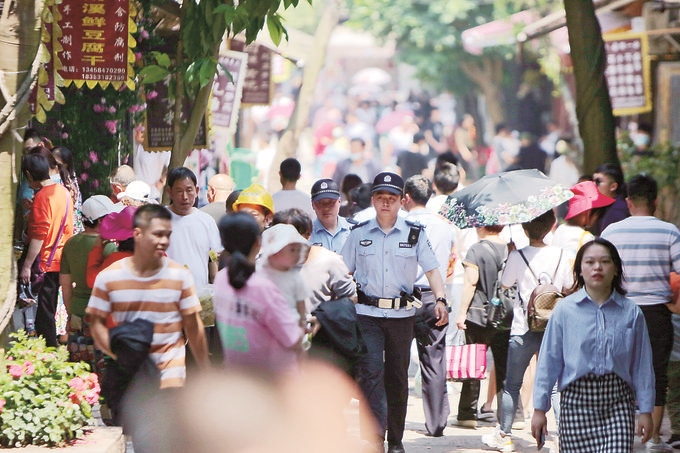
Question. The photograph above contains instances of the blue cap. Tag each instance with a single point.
(388, 182)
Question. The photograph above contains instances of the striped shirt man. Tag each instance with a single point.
(164, 298)
(649, 249)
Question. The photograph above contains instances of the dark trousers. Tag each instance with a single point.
(497, 340)
(660, 328)
(382, 374)
(45, 325)
(433, 371)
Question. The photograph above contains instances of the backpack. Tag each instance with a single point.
(542, 300)
(499, 307)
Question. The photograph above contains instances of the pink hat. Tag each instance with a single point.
(586, 196)
(117, 226)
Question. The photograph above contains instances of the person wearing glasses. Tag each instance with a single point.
(609, 181)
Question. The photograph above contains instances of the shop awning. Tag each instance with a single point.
(497, 32)
(525, 25)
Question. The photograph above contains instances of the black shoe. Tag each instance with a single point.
(396, 448)
(674, 441)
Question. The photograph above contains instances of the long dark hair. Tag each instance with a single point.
(66, 170)
(617, 283)
(239, 232)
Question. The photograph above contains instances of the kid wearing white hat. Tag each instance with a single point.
(283, 252)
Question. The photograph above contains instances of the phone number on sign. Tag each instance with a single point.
(102, 70)
(112, 78)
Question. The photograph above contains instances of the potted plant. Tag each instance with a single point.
(44, 399)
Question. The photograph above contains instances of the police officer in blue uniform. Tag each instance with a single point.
(383, 254)
(329, 230)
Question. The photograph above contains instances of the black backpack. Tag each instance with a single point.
(499, 307)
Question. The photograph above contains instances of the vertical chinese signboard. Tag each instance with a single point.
(85, 42)
(160, 113)
(227, 89)
(257, 87)
(627, 73)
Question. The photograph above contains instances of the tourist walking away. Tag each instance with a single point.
(596, 347)
(50, 226)
(256, 326)
(543, 261)
(650, 250)
(482, 263)
(73, 280)
(431, 353)
(220, 186)
(383, 254)
(290, 172)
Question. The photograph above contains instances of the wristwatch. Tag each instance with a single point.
(444, 301)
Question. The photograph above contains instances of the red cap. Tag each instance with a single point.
(586, 196)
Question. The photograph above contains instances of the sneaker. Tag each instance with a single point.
(674, 441)
(498, 442)
(658, 447)
(486, 414)
(467, 423)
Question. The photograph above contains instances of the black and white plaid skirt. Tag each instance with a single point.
(597, 415)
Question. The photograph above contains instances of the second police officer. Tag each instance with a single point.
(383, 254)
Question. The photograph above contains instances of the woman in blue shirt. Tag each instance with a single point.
(597, 348)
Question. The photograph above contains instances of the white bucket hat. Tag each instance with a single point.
(275, 238)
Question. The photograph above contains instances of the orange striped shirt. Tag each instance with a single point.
(162, 299)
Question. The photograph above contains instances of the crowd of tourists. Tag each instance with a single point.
(350, 276)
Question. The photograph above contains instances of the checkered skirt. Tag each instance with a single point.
(597, 415)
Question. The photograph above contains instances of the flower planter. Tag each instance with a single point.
(98, 439)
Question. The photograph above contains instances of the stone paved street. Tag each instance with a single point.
(457, 439)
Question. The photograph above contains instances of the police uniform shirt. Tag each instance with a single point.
(321, 236)
(384, 265)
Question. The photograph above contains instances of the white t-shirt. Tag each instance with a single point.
(543, 261)
(193, 237)
(571, 238)
(287, 199)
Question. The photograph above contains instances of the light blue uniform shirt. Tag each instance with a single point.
(384, 265)
(331, 241)
(583, 338)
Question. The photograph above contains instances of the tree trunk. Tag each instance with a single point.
(593, 106)
(19, 40)
(298, 120)
(488, 76)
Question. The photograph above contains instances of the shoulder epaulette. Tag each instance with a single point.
(411, 223)
(358, 225)
(351, 221)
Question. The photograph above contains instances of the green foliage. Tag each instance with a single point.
(44, 399)
(94, 125)
(428, 35)
(662, 163)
